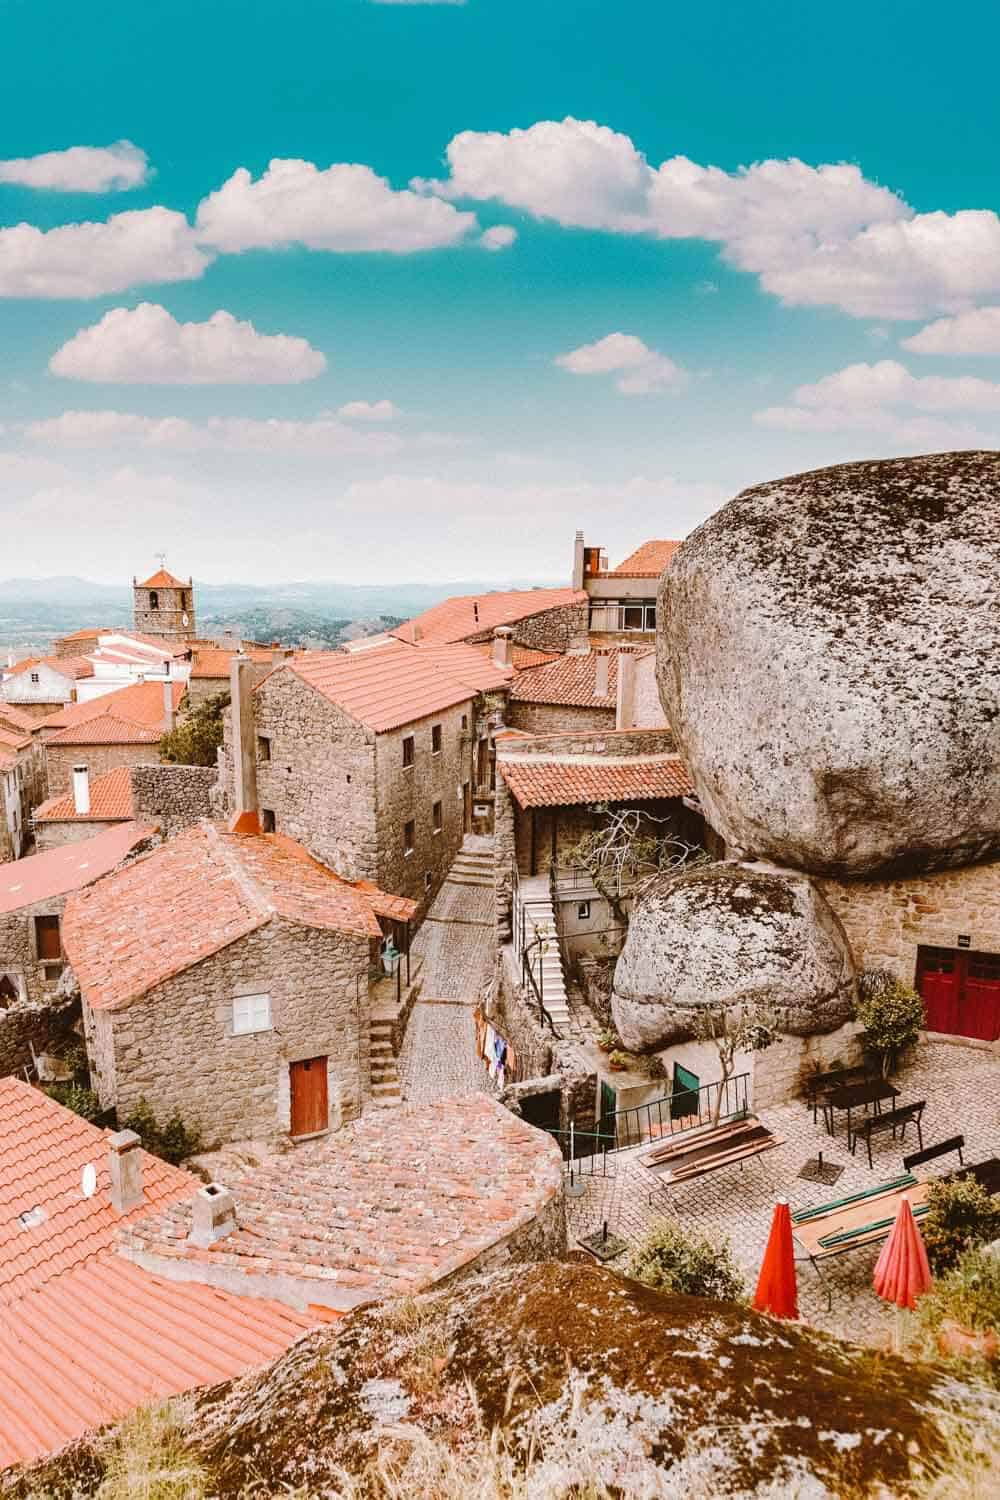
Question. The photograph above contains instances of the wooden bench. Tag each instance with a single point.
(986, 1173)
(698, 1152)
(891, 1119)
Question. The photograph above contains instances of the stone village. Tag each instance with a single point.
(452, 937)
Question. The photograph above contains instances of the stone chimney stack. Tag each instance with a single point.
(81, 791)
(168, 706)
(503, 647)
(625, 714)
(213, 1215)
(578, 561)
(602, 674)
(125, 1166)
(242, 677)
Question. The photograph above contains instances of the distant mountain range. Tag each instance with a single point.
(35, 610)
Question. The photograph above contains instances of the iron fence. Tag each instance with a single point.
(585, 1152)
(677, 1112)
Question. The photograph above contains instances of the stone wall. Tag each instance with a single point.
(557, 718)
(639, 705)
(200, 689)
(57, 834)
(175, 1045)
(172, 797)
(26, 1025)
(543, 1237)
(549, 630)
(518, 1021)
(504, 847)
(596, 742)
(886, 920)
(18, 951)
(99, 759)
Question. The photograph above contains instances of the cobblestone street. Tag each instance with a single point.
(960, 1086)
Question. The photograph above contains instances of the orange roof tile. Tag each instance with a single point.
(193, 896)
(569, 680)
(536, 782)
(392, 683)
(107, 1337)
(468, 615)
(522, 658)
(398, 908)
(43, 1149)
(14, 739)
(647, 561)
(18, 718)
(216, 661)
(161, 579)
(139, 703)
(110, 801)
(56, 872)
(88, 633)
(106, 729)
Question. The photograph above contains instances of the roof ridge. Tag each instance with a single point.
(245, 879)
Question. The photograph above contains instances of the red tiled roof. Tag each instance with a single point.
(88, 633)
(471, 614)
(18, 718)
(161, 579)
(139, 703)
(522, 658)
(43, 1149)
(535, 782)
(110, 801)
(391, 684)
(569, 680)
(647, 561)
(107, 1337)
(72, 667)
(391, 1204)
(56, 872)
(216, 661)
(193, 896)
(106, 729)
(14, 739)
(398, 908)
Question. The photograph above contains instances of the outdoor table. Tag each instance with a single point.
(856, 1096)
(694, 1154)
(862, 1218)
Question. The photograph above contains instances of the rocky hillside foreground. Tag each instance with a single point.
(595, 1385)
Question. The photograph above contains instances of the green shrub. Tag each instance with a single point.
(961, 1216)
(968, 1295)
(891, 1012)
(173, 1143)
(82, 1101)
(198, 736)
(671, 1259)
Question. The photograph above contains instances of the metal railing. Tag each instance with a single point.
(677, 1112)
(586, 1151)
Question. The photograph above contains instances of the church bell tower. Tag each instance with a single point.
(164, 605)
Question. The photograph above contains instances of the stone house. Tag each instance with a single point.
(42, 686)
(22, 780)
(603, 688)
(211, 667)
(542, 619)
(224, 978)
(621, 601)
(119, 658)
(123, 728)
(374, 757)
(33, 893)
(92, 805)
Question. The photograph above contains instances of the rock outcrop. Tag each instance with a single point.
(728, 935)
(829, 661)
(596, 1385)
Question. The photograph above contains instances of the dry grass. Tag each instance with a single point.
(148, 1461)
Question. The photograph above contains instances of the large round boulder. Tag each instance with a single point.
(829, 661)
(729, 936)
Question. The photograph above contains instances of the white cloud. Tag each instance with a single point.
(499, 237)
(97, 259)
(144, 345)
(814, 235)
(345, 207)
(974, 332)
(114, 429)
(80, 169)
(368, 411)
(640, 370)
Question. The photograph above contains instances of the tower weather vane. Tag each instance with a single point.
(161, 558)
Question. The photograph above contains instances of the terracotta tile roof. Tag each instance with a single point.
(161, 579)
(110, 801)
(647, 561)
(88, 633)
(193, 896)
(14, 739)
(72, 667)
(106, 729)
(568, 680)
(43, 1149)
(139, 703)
(388, 1205)
(468, 615)
(398, 908)
(17, 718)
(523, 658)
(108, 1337)
(216, 661)
(391, 684)
(536, 782)
(56, 872)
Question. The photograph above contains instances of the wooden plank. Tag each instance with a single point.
(842, 1220)
(694, 1142)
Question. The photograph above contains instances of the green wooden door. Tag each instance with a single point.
(684, 1093)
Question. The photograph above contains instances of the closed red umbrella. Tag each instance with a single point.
(902, 1273)
(777, 1290)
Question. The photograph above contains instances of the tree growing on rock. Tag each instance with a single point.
(625, 854)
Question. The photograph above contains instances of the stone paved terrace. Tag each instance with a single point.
(960, 1085)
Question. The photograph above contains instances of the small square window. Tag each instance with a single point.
(408, 750)
(583, 911)
(35, 677)
(437, 816)
(409, 837)
(267, 820)
(435, 739)
(263, 747)
(251, 1013)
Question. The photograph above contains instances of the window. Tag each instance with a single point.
(465, 721)
(583, 911)
(267, 820)
(435, 739)
(154, 599)
(428, 880)
(47, 941)
(251, 1013)
(409, 837)
(408, 750)
(263, 747)
(437, 816)
(35, 677)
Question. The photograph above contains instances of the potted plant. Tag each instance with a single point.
(892, 1014)
(618, 1062)
(607, 1040)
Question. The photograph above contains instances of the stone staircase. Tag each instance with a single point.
(473, 864)
(386, 1088)
(536, 891)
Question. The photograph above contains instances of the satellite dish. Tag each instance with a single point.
(88, 1180)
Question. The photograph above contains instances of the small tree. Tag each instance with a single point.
(625, 854)
(891, 1012)
(197, 737)
(747, 1028)
(672, 1259)
(961, 1215)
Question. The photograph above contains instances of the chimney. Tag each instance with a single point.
(168, 706)
(503, 647)
(213, 1215)
(81, 791)
(125, 1166)
(578, 561)
(475, 610)
(602, 674)
(625, 715)
(243, 729)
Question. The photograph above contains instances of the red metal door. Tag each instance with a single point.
(310, 1110)
(979, 1013)
(939, 984)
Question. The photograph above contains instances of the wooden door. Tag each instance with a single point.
(310, 1108)
(939, 983)
(980, 1008)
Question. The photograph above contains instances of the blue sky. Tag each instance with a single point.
(411, 291)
